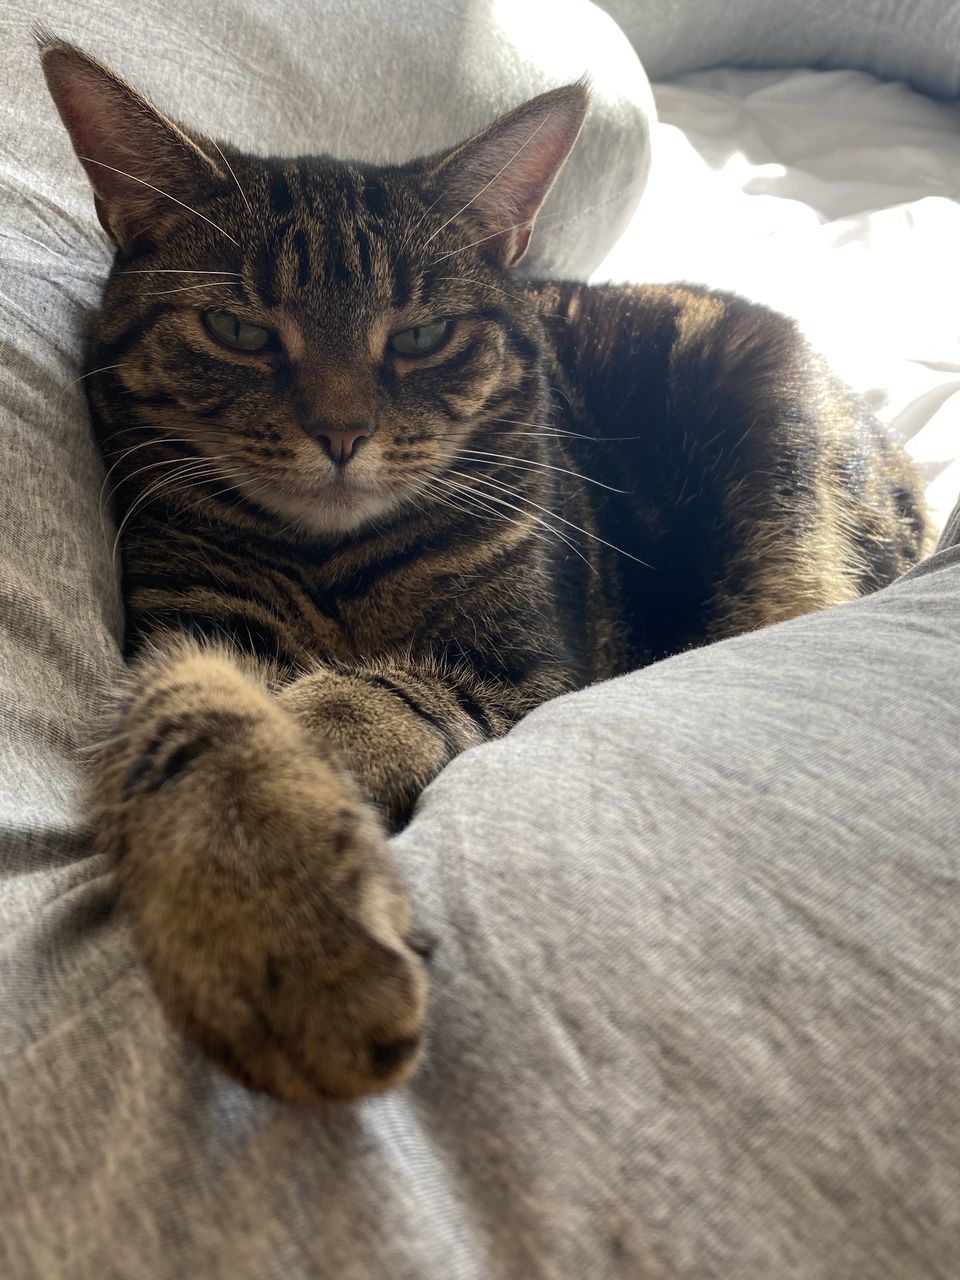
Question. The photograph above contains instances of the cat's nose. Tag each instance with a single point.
(340, 445)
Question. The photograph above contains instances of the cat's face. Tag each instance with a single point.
(332, 370)
(326, 336)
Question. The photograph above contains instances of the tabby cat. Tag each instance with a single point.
(378, 498)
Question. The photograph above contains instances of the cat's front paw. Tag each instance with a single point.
(260, 886)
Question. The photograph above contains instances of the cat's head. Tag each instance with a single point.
(327, 335)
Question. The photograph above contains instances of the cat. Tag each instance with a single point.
(377, 498)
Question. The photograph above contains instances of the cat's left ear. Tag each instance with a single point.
(137, 159)
(501, 177)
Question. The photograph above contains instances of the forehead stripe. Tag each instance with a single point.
(280, 195)
(363, 250)
(374, 197)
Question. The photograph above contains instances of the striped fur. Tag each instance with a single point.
(576, 482)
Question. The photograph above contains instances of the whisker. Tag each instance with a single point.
(477, 501)
(238, 471)
(485, 480)
(530, 516)
(478, 505)
(485, 284)
(481, 455)
(590, 208)
(193, 467)
(471, 505)
(176, 271)
(171, 489)
(42, 271)
(92, 269)
(552, 434)
(452, 12)
(478, 194)
(145, 444)
(562, 431)
(144, 426)
(232, 175)
(187, 288)
(442, 257)
(144, 183)
(447, 502)
(196, 470)
(104, 368)
(102, 505)
(419, 223)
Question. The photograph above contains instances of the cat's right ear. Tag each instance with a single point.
(136, 158)
(502, 176)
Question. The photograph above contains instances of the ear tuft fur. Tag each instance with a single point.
(504, 174)
(136, 158)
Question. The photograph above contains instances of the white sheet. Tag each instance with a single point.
(834, 197)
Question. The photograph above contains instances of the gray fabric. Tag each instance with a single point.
(913, 40)
(696, 1011)
(950, 537)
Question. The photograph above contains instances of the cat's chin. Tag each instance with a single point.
(330, 511)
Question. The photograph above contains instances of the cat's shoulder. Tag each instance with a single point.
(687, 307)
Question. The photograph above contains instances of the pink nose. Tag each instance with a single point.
(341, 445)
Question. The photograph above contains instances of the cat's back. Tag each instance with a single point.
(757, 484)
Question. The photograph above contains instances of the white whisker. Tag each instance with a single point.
(143, 182)
(419, 223)
(142, 426)
(463, 209)
(188, 288)
(145, 444)
(223, 475)
(484, 284)
(528, 222)
(529, 515)
(561, 431)
(484, 480)
(491, 513)
(233, 175)
(104, 368)
(481, 455)
(102, 505)
(194, 467)
(176, 271)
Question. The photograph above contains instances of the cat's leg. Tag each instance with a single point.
(397, 724)
(259, 884)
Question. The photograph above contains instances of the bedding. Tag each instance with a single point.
(696, 1007)
(913, 40)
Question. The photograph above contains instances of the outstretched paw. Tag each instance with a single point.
(264, 897)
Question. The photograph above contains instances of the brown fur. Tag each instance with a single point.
(312, 643)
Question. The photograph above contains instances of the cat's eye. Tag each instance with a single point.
(226, 328)
(421, 339)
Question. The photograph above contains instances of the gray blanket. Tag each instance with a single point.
(696, 1011)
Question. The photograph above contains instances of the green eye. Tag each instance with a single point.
(226, 328)
(421, 340)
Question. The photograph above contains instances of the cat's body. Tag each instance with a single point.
(735, 478)
(377, 500)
